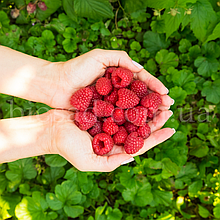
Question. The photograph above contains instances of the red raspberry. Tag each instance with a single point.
(102, 143)
(120, 137)
(109, 126)
(139, 88)
(109, 72)
(81, 99)
(130, 127)
(150, 115)
(96, 95)
(113, 97)
(96, 129)
(84, 120)
(42, 6)
(133, 143)
(127, 99)
(103, 86)
(119, 116)
(31, 8)
(151, 101)
(102, 108)
(144, 131)
(136, 115)
(121, 77)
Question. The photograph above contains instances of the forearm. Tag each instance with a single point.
(27, 77)
(24, 137)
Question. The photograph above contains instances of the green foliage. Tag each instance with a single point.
(178, 42)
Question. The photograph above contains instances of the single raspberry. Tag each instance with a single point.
(119, 116)
(121, 77)
(102, 143)
(109, 126)
(102, 108)
(96, 129)
(81, 99)
(136, 115)
(103, 86)
(133, 143)
(144, 131)
(139, 88)
(113, 97)
(130, 127)
(84, 120)
(120, 137)
(42, 6)
(96, 95)
(31, 8)
(109, 71)
(127, 99)
(151, 101)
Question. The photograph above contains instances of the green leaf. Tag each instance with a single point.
(115, 214)
(216, 211)
(202, 14)
(159, 4)
(20, 169)
(73, 211)
(95, 9)
(48, 38)
(52, 6)
(4, 20)
(70, 33)
(131, 6)
(212, 91)
(135, 46)
(215, 34)
(198, 148)
(52, 174)
(55, 160)
(172, 23)
(69, 45)
(4, 183)
(154, 42)
(184, 45)
(169, 168)
(8, 204)
(178, 94)
(203, 212)
(161, 197)
(32, 208)
(194, 188)
(68, 6)
(53, 202)
(166, 59)
(67, 193)
(206, 66)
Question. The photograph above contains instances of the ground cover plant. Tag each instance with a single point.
(175, 40)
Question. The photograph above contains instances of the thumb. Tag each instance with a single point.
(120, 58)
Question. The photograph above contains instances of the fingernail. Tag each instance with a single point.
(127, 161)
(173, 101)
(174, 130)
(167, 91)
(171, 113)
(137, 64)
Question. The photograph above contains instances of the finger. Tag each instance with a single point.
(166, 100)
(108, 163)
(152, 82)
(154, 139)
(117, 58)
(159, 120)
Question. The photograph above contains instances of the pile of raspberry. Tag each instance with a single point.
(115, 110)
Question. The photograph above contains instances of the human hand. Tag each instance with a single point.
(84, 70)
(75, 145)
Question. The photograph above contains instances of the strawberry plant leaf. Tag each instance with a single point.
(212, 91)
(53, 202)
(52, 174)
(159, 4)
(68, 6)
(166, 59)
(73, 211)
(203, 212)
(55, 160)
(161, 198)
(95, 9)
(194, 188)
(154, 42)
(215, 33)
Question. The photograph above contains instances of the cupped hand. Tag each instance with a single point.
(75, 145)
(85, 69)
